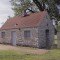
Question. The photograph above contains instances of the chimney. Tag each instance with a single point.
(25, 13)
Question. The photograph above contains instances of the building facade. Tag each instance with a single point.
(35, 30)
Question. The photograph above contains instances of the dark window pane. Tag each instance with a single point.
(27, 34)
(2, 34)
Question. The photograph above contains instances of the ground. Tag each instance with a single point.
(23, 49)
(8, 52)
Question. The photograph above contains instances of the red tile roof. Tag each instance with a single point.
(29, 21)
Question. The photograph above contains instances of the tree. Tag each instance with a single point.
(51, 4)
(57, 1)
(19, 6)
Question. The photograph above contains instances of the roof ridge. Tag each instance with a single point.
(28, 21)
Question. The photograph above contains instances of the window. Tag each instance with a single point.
(2, 34)
(27, 34)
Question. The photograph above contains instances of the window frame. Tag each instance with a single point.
(2, 34)
(27, 34)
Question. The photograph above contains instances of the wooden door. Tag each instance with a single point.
(13, 37)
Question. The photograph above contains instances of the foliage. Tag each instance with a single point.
(52, 8)
(19, 6)
(53, 11)
(57, 1)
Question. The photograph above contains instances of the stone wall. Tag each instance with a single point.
(38, 36)
(46, 24)
(33, 41)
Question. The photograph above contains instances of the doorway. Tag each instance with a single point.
(13, 38)
(47, 38)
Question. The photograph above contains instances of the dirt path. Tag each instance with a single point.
(23, 49)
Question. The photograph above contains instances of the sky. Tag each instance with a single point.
(5, 11)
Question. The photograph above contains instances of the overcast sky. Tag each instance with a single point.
(5, 10)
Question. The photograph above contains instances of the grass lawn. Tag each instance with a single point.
(14, 55)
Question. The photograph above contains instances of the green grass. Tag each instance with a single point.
(58, 28)
(14, 55)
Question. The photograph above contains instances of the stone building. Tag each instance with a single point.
(34, 30)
